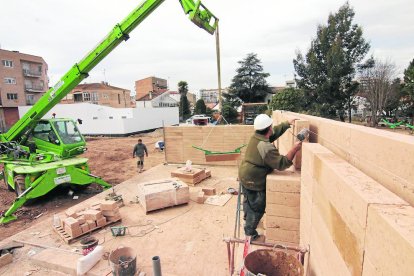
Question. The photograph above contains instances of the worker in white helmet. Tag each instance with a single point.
(260, 159)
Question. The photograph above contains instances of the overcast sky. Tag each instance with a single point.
(169, 46)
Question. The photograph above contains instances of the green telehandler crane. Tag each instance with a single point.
(41, 154)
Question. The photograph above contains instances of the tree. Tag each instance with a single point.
(229, 113)
(408, 89)
(327, 71)
(184, 105)
(289, 99)
(249, 84)
(200, 107)
(378, 86)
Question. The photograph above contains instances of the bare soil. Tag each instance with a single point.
(109, 158)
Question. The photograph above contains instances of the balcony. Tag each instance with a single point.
(34, 88)
(31, 73)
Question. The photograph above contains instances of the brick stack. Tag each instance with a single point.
(76, 223)
(283, 208)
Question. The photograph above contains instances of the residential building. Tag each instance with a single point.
(99, 93)
(23, 80)
(157, 99)
(192, 99)
(150, 84)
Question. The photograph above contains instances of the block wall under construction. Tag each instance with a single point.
(356, 209)
(180, 139)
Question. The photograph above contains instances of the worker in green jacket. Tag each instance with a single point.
(260, 159)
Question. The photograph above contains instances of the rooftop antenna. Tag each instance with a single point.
(104, 70)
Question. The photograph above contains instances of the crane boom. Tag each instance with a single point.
(197, 12)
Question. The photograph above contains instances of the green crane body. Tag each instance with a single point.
(41, 154)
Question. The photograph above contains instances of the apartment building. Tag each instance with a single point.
(150, 84)
(211, 95)
(99, 93)
(23, 80)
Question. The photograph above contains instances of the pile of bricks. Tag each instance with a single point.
(75, 223)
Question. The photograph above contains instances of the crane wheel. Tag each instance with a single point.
(19, 185)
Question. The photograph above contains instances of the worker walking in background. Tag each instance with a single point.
(260, 159)
(139, 150)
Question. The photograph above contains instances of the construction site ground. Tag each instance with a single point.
(188, 238)
(109, 158)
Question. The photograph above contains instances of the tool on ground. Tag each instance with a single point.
(40, 154)
(118, 230)
(232, 191)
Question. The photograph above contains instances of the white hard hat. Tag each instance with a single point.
(262, 121)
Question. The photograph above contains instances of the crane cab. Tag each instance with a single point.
(60, 136)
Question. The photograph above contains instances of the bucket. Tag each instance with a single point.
(123, 261)
(272, 263)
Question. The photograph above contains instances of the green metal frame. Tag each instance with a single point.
(41, 169)
(209, 152)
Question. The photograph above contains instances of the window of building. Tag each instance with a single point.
(12, 96)
(95, 118)
(7, 63)
(94, 97)
(86, 96)
(39, 68)
(123, 117)
(10, 80)
(105, 96)
(110, 117)
(30, 99)
(119, 99)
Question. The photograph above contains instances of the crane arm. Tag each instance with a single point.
(197, 12)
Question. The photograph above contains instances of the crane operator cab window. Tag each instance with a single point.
(62, 131)
(45, 132)
(68, 132)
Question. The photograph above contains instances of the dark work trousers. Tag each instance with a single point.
(254, 205)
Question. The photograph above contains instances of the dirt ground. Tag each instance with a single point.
(109, 158)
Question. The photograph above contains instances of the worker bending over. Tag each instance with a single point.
(139, 151)
(261, 158)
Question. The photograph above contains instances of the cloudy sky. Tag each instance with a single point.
(169, 46)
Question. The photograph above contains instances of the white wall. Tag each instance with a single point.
(96, 118)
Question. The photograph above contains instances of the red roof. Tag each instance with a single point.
(153, 95)
(97, 86)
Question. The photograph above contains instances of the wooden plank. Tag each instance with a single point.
(390, 239)
(282, 211)
(282, 235)
(325, 257)
(305, 223)
(283, 181)
(282, 223)
(287, 199)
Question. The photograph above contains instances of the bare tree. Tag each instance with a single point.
(377, 85)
